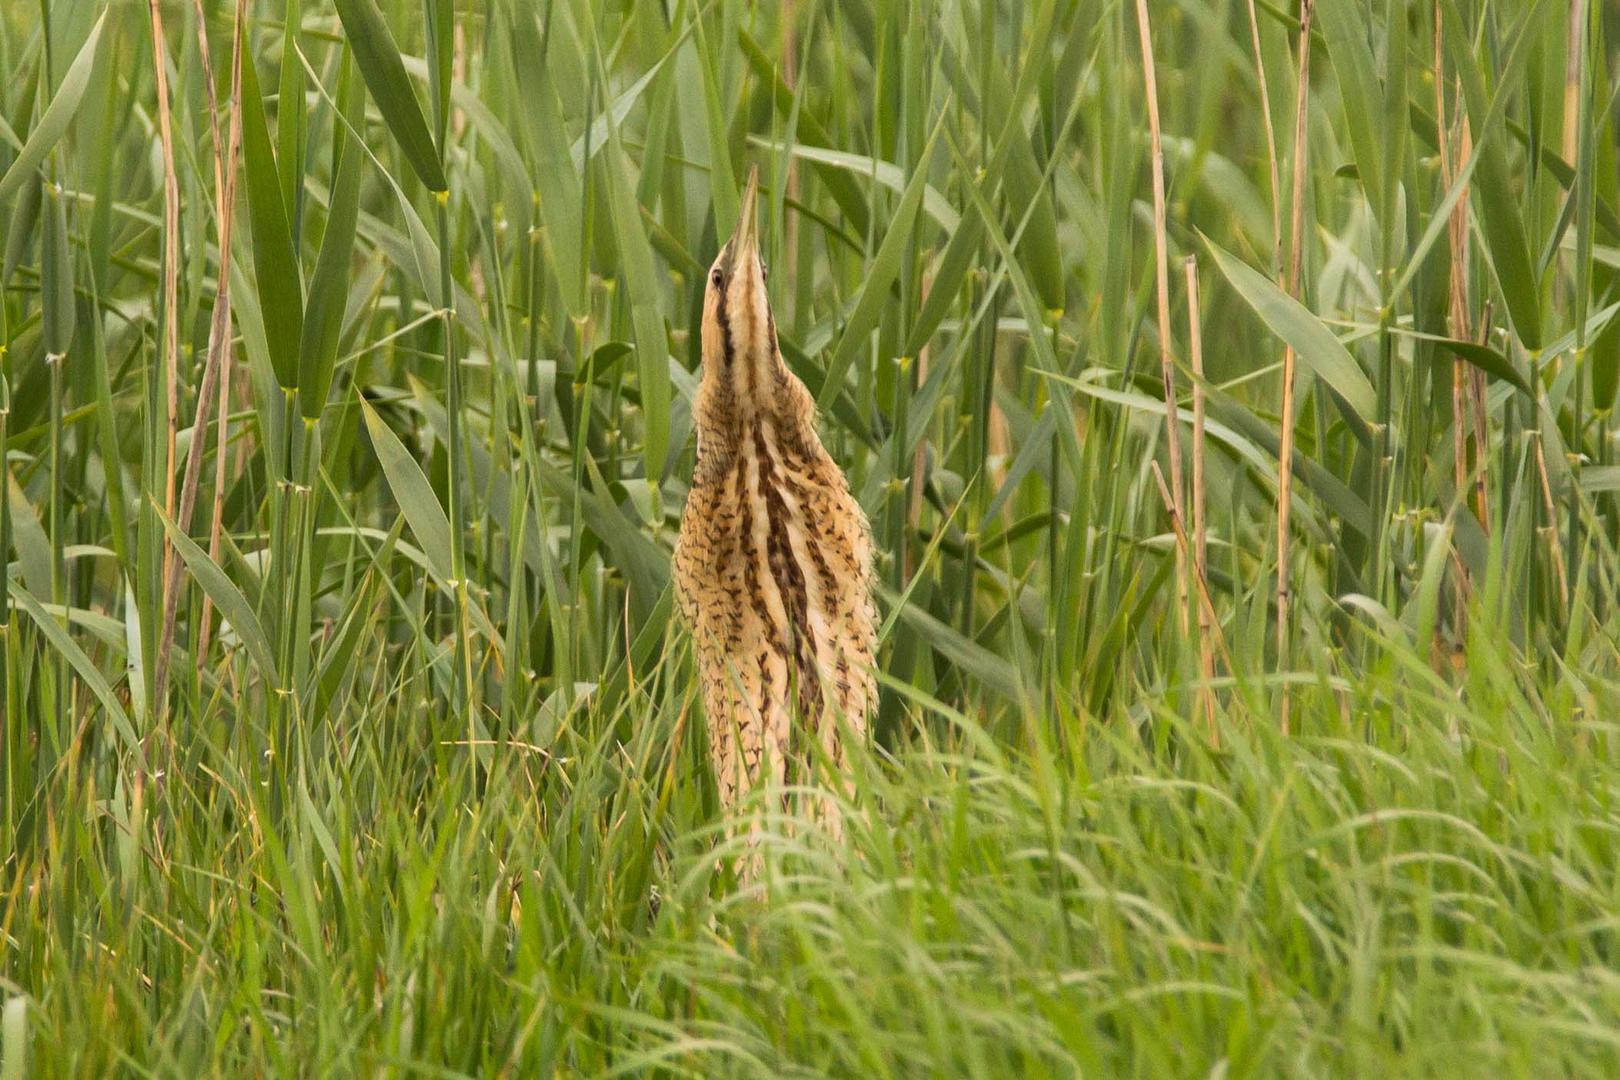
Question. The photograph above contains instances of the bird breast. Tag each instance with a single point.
(772, 558)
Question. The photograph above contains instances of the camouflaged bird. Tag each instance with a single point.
(773, 563)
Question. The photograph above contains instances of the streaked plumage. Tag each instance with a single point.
(772, 567)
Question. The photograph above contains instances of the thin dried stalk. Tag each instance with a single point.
(1205, 602)
(170, 312)
(1271, 143)
(1574, 57)
(1161, 269)
(1285, 454)
(1457, 236)
(1476, 381)
(1200, 540)
(219, 330)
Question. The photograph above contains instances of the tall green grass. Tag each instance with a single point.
(412, 780)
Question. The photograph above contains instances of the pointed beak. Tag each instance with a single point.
(744, 245)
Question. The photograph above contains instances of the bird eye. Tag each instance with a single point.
(764, 271)
(716, 277)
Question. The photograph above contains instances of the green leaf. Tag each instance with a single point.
(1598, 478)
(233, 606)
(1394, 119)
(991, 671)
(557, 191)
(440, 25)
(880, 275)
(275, 262)
(58, 114)
(645, 565)
(337, 660)
(329, 287)
(20, 230)
(950, 270)
(1603, 355)
(412, 491)
(56, 278)
(1424, 125)
(1291, 321)
(1030, 456)
(605, 357)
(1040, 343)
(290, 119)
(641, 293)
(722, 181)
(1487, 360)
(28, 536)
(589, 142)
(840, 185)
(645, 648)
(415, 252)
(58, 636)
(886, 173)
(483, 120)
(960, 254)
(380, 64)
(14, 1039)
(1000, 108)
(1499, 217)
(1345, 31)
(1251, 440)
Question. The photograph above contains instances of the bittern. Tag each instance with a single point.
(773, 563)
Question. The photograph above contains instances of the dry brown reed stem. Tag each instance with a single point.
(222, 426)
(1183, 544)
(1200, 538)
(1457, 236)
(1476, 378)
(171, 279)
(1476, 382)
(219, 330)
(216, 523)
(1161, 269)
(1271, 143)
(1285, 454)
(1574, 58)
(1480, 467)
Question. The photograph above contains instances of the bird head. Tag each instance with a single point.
(740, 358)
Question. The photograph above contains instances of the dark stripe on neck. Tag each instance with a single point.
(727, 349)
(797, 642)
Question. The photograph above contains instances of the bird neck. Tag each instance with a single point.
(729, 412)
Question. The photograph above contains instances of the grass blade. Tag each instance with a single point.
(53, 124)
(380, 65)
(880, 275)
(642, 294)
(1298, 326)
(275, 262)
(1344, 29)
(86, 669)
(412, 492)
(329, 285)
(1499, 217)
(233, 606)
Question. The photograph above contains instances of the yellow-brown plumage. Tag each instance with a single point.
(772, 567)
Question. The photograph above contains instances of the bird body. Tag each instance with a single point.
(772, 566)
